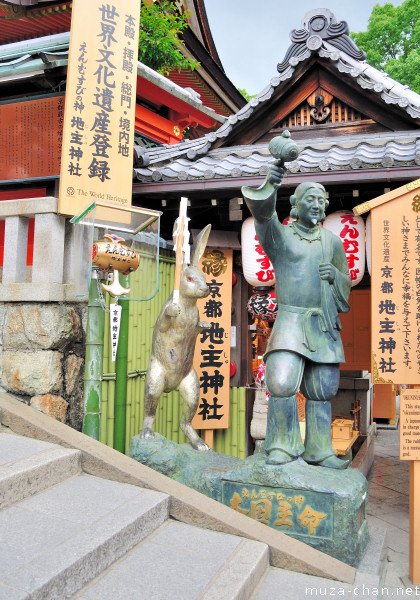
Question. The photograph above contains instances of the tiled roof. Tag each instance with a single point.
(33, 21)
(30, 58)
(354, 152)
(321, 35)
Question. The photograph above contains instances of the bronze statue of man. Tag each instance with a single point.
(305, 348)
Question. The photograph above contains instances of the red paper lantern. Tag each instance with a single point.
(258, 270)
(351, 230)
(369, 244)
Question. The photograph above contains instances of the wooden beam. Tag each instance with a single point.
(365, 101)
(414, 520)
(277, 108)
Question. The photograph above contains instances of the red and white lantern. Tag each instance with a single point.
(263, 305)
(258, 270)
(351, 230)
(369, 244)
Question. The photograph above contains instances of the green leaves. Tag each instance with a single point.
(245, 94)
(159, 44)
(392, 41)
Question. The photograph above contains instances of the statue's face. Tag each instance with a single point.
(311, 207)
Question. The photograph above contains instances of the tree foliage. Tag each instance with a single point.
(392, 40)
(245, 94)
(159, 43)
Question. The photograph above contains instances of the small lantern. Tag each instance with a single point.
(258, 270)
(263, 305)
(351, 230)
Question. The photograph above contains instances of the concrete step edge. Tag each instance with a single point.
(241, 574)
(68, 567)
(37, 472)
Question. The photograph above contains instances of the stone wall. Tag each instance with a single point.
(42, 348)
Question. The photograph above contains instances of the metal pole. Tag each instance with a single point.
(93, 363)
(121, 376)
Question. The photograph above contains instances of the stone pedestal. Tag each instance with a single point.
(324, 508)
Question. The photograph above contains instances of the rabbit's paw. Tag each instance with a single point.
(147, 434)
(173, 310)
(200, 445)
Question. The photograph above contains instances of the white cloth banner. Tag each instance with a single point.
(114, 323)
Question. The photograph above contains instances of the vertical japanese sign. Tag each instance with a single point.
(98, 137)
(35, 124)
(396, 289)
(212, 352)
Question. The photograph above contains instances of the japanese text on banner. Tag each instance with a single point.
(212, 352)
(100, 104)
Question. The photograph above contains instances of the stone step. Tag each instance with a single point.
(30, 466)
(57, 541)
(183, 562)
(282, 584)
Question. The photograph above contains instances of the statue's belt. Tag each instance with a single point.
(308, 335)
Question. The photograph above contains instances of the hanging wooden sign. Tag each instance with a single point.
(410, 424)
(395, 235)
(98, 136)
(212, 350)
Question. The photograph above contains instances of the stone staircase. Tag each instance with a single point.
(63, 530)
(84, 522)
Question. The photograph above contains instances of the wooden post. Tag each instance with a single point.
(410, 450)
(208, 437)
(414, 545)
(182, 223)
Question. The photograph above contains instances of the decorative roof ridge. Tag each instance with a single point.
(388, 150)
(368, 77)
(319, 26)
(322, 34)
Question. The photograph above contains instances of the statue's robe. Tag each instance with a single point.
(307, 321)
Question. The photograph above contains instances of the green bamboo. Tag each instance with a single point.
(105, 384)
(234, 421)
(104, 412)
(121, 372)
(129, 415)
(175, 421)
(169, 417)
(93, 364)
(218, 439)
(242, 423)
(110, 420)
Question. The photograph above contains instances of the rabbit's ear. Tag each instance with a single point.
(199, 245)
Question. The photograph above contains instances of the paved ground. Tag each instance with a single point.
(388, 503)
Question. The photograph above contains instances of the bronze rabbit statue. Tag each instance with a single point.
(174, 337)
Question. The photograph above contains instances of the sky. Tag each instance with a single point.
(252, 36)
